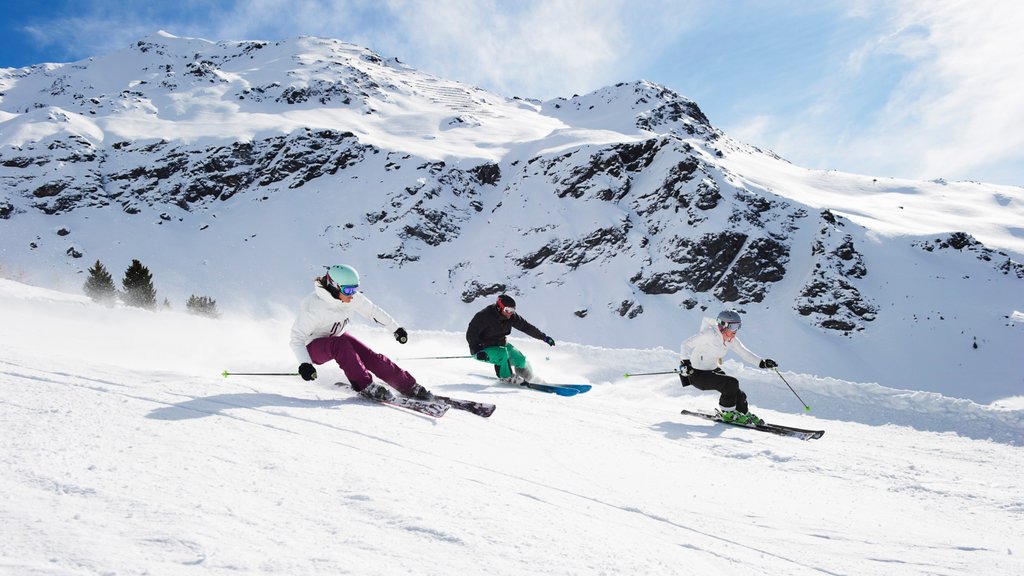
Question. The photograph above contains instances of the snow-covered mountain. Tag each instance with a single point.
(237, 170)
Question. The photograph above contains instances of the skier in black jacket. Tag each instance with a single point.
(486, 337)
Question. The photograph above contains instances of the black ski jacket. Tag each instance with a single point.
(489, 328)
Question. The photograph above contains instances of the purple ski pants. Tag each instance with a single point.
(359, 362)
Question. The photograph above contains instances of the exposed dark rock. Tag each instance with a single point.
(436, 227)
(761, 264)
(703, 261)
(601, 243)
(830, 297)
(488, 174)
(630, 309)
(476, 290)
(616, 162)
(963, 242)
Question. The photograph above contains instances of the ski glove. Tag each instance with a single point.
(482, 356)
(684, 367)
(768, 363)
(549, 340)
(684, 372)
(307, 371)
(401, 335)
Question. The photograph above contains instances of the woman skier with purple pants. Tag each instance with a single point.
(318, 335)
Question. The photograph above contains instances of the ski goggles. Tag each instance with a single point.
(729, 326)
(348, 290)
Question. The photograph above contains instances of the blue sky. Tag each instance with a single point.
(890, 88)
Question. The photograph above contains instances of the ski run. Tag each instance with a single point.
(124, 451)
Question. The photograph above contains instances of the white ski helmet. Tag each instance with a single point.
(343, 275)
(729, 320)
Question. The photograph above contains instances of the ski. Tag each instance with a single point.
(560, 389)
(769, 428)
(380, 394)
(478, 408)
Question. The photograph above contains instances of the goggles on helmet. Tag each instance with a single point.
(337, 290)
(728, 326)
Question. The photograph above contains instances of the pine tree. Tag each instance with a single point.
(138, 286)
(99, 285)
(202, 305)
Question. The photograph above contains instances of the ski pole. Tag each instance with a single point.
(226, 374)
(435, 357)
(806, 407)
(627, 375)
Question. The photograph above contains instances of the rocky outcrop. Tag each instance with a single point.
(963, 242)
(830, 298)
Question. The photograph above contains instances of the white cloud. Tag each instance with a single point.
(948, 73)
(535, 49)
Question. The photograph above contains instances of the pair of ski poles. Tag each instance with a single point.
(227, 373)
(806, 407)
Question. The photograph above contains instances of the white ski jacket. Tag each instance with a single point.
(322, 315)
(707, 348)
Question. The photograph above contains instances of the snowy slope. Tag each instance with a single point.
(125, 452)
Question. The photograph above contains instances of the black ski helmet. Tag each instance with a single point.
(729, 320)
(506, 301)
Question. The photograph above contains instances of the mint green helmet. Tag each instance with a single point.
(343, 275)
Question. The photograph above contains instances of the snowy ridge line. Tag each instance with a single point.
(875, 405)
(830, 398)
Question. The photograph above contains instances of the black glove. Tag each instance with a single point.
(307, 371)
(768, 363)
(482, 356)
(401, 335)
(549, 340)
(684, 372)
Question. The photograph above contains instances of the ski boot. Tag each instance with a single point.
(420, 393)
(377, 392)
(741, 418)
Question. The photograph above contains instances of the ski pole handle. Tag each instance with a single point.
(226, 373)
(434, 357)
(627, 375)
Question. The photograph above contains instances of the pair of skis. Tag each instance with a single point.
(560, 389)
(436, 408)
(776, 429)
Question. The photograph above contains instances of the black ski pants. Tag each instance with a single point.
(721, 382)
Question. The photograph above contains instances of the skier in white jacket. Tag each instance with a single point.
(318, 335)
(701, 365)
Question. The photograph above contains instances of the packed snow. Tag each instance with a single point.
(124, 451)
